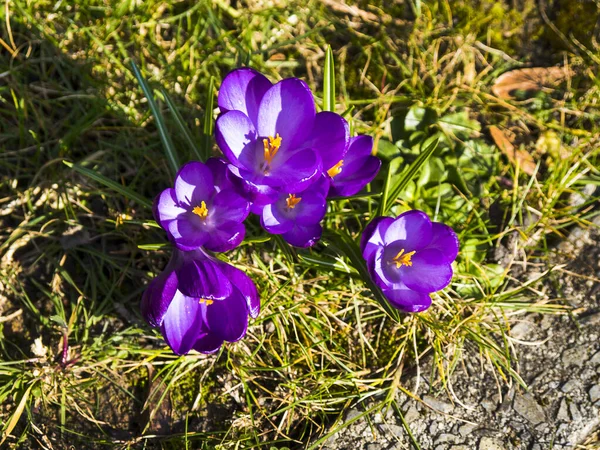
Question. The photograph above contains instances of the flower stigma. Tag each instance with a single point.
(292, 201)
(201, 211)
(271, 147)
(403, 259)
(208, 302)
(335, 170)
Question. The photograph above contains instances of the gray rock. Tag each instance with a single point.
(438, 405)
(571, 385)
(411, 414)
(574, 356)
(575, 414)
(595, 361)
(528, 408)
(445, 438)
(466, 429)
(488, 443)
(595, 393)
(563, 412)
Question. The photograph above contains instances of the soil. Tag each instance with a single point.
(558, 359)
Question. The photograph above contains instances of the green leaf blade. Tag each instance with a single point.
(208, 120)
(160, 122)
(183, 129)
(125, 191)
(391, 192)
(329, 81)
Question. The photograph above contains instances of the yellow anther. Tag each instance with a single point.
(271, 147)
(208, 302)
(201, 211)
(403, 259)
(335, 170)
(292, 201)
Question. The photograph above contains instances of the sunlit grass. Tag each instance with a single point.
(76, 255)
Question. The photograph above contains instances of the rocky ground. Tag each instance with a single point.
(559, 360)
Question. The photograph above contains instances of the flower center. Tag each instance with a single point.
(335, 170)
(271, 147)
(292, 201)
(403, 259)
(208, 302)
(201, 211)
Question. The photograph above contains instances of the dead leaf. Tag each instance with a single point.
(277, 57)
(532, 79)
(515, 155)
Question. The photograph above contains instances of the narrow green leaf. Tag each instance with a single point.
(16, 415)
(158, 246)
(130, 194)
(329, 82)
(184, 130)
(391, 193)
(325, 263)
(160, 122)
(346, 246)
(208, 120)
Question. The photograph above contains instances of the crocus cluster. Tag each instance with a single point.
(286, 157)
(409, 257)
(198, 302)
(282, 161)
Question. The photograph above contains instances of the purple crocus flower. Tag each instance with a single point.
(296, 216)
(355, 169)
(272, 136)
(198, 302)
(203, 209)
(409, 257)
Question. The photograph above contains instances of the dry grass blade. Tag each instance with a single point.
(531, 79)
(515, 155)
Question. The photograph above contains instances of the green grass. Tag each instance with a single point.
(76, 254)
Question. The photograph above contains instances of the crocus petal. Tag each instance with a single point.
(158, 296)
(311, 209)
(166, 208)
(354, 176)
(429, 271)
(182, 323)
(276, 221)
(407, 300)
(203, 279)
(384, 273)
(445, 240)
(303, 236)
(359, 147)
(372, 236)
(329, 138)
(412, 227)
(226, 237)
(218, 168)
(229, 207)
(228, 319)
(236, 137)
(193, 184)
(243, 89)
(257, 194)
(287, 108)
(246, 287)
(296, 172)
(185, 235)
(208, 343)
